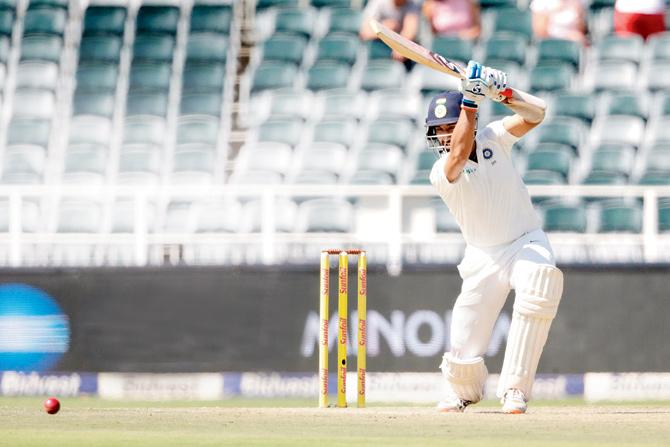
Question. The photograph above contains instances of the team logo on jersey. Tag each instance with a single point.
(440, 108)
(487, 153)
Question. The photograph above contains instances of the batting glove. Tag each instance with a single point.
(497, 82)
(475, 85)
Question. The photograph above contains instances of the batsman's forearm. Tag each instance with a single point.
(464, 134)
(529, 107)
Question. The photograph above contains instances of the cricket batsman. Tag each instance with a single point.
(505, 245)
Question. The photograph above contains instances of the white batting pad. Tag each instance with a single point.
(538, 290)
(526, 339)
(466, 377)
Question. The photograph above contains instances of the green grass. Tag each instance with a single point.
(95, 422)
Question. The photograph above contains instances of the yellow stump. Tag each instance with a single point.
(362, 326)
(323, 330)
(343, 284)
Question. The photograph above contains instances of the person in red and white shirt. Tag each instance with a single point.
(643, 17)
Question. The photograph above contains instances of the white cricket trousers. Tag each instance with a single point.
(488, 276)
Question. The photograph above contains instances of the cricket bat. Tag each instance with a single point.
(417, 53)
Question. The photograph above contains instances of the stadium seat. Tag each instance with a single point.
(264, 4)
(30, 216)
(44, 21)
(201, 104)
(605, 178)
(29, 131)
(558, 50)
(100, 49)
(575, 105)
(328, 75)
(621, 129)
(197, 129)
(657, 162)
(256, 177)
(147, 104)
(7, 17)
(331, 3)
(613, 157)
(4, 49)
(395, 132)
(513, 20)
(63, 4)
(420, 177)
(200, 78)
(345, 20)
(326, 157)
(313, 177)
(550, 160)
(41, 48)
(90, 103)
(615, 76)
(395, 104)
(90, 129)
(144, 130)
(341, 104)
(146, 78)
(218, 216)
(97, 77)
(85, 160)
(153, 48)
(284, 47)
(153, 19)
(123, 216)
(508, 47)
(341, 131)
(615, 48)
(299, 21)
(211, 18)
(542, 177)
(453, 48)
(138, 158)
(659, 46)
(563, 130)
(444, 220)
(25, 159)
(627, 104)
(273, 75)
(37, 75)
(325, 216)
(661, 131)
(195, 159)
(207, 48)
(377, 50)
(292, 103)
(564, 217)
(664, 217)
(282, 131)
(104, 20)
(432, 82)
(79, 216)
(285, 212)
(619, 217)
(371, 178)
(555, 77)
(266, 156)
(424, 160)
(34, 104)
(382, 158)
(654, 178)
(383, 74)
(338, 47)
(658, 76)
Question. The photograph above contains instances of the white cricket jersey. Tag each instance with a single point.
(489, 199)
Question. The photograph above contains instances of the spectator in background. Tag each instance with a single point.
(643, 17)
(559, 19)
(402, 16)
(459, 18)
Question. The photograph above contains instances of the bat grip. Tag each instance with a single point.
(507, 92)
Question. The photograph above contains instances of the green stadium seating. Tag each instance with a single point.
(420, 178)
(284, 47)
(104, 20)
(41, 48)
(263, 4)
(453, 48)
(298, 21)
(37, 75)
(273, 75)
(341, 131)
(313, 177)
(613, 158)
(658, 76)
(325, 157)
(197, 129)
(29, 131)
(664, 217)
(207, 47)
(30, 103)
(327, 75)
(4, 50)
(542, 177)
(371, 178)
(575, 105)
(144, 130)
(287, 131)
(551, 160)
(605, 178)
(153, 48)
(551, 77)
(284, 217)
(341, 103)
(620, 218)
(338, 47)
(444, 220)
(44, 21)
(100, 48)
(219, 217)
(614, 76)
(558, 50)
(654, 178)
(34, 4)
(79, 216)
(620, 48)
(596, 5)
(200, 104)
(345, 20)
(564, 217)
(90, 130)
(136, 158)
(203, 78)
(627, 104)
(211, 18)
(149, 77)
(387, 131)
(659, 45)
(331, 3)
(97, 77)
(506, 47)
(513, 20)
(378, 50)
(154, 104)
(93, 103)
(621, 129)
(494, 4)
(6, 22)
(657, 160)
(290, 103)
(90, 160)
(325, 216)
(561, 130)
(152, 19)
(381, 158)
(383, 74)
(425, 160)
(194, 160)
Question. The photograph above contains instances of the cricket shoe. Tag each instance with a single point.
(453, 405)
(514, 402)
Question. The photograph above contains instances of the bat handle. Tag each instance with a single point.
(507, 92)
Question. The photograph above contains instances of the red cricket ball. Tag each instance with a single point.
(51, 405)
